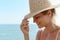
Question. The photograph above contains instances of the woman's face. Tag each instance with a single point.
(42, 20)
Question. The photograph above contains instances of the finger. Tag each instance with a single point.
(24, 27)
(25, 22)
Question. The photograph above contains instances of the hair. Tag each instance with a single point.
(52, 10)
(45, 12)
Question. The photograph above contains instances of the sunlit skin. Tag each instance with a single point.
(41, 20)
(45, 21)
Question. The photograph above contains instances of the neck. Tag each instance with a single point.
(50, 27)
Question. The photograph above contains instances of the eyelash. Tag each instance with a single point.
(37, 17)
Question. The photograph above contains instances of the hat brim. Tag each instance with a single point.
(35, 13)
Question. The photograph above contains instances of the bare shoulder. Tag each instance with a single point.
(38, 35)
(58, 34)
(39, 32)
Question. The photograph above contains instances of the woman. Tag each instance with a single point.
(42, 19)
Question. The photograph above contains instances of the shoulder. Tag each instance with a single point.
(39, 32)
(38, 35)
(58, 34)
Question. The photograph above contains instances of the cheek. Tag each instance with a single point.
(46, 19)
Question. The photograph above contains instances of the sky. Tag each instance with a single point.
(13, 11)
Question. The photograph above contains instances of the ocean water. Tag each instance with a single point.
(13, 32)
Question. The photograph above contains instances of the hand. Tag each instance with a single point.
(24, 26)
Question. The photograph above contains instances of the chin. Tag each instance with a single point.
(40, 26)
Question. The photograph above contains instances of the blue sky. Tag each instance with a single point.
(12, 11)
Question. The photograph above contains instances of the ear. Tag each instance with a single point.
(49, 13)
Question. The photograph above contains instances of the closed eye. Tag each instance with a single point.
(37, 17)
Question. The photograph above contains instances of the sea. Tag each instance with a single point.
(13, 32)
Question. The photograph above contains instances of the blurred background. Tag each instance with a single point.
(11, 14)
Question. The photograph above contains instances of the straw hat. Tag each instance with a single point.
(37, 6)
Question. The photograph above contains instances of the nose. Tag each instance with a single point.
(35, 20)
